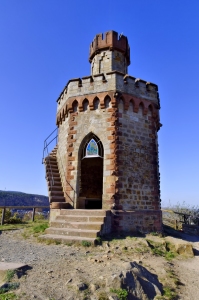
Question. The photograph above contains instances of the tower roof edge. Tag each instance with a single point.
(110, 40)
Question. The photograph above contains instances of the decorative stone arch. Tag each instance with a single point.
(75, 105)
(142, 107)
(131, 106)
(121, 104)
(150, 109)
(90, 172)
(107, 101)
(96, 103)
(78, 147)
(85, 104)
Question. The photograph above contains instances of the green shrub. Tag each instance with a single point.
(40, 228)
(10, 296)
(121, 293)
(9, 275)
(86, 244)
(169, 293)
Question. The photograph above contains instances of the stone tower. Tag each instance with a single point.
(106, 158)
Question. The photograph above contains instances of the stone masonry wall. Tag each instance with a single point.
(137, 158)
(108, 60)
(73, 130)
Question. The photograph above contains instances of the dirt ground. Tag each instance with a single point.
(70, 272)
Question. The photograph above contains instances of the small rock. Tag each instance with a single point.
(82, 286)
(94, 287)
(49, 271)
(107, 245)
(69, 280)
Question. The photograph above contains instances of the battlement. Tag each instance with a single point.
(112, 81)
(110, 40)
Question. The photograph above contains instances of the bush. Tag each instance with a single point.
(40, 228)
(9, 219)
(121, 293)
(86, 244)
(9, 275)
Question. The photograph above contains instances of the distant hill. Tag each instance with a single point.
(14, 198)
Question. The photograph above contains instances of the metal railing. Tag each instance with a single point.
(46, 152)
(47, 143)
(53, 137)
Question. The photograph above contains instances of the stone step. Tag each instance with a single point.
(57, 199)
(52, 170)
(55, 188)
(56, 184)
(71, 218)
(84, 212)
(73, 232)
(50, 163)
(60, 205)
(56, 193)
(50, 159)
(77, 225)
(66, 239)
(52, 174)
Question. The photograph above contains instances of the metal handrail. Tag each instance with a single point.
(67, 180)
(45, 150)
(47, 144)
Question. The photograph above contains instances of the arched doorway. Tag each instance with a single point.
(91, 175)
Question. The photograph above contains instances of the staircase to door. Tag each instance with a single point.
(55, 189)
(75, 225)
(70, 224)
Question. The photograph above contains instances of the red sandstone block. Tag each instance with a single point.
(111, 138)
(68, 188)
(110, 167)
(71, 168)
(110, 190)
(71, 158)
(71, 140)
(112, 146)
(111, 109)
(72, 131)
(110, 128)
(110, 156)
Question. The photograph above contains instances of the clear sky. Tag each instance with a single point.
(45, 43)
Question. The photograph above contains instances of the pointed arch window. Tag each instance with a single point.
(92, 148)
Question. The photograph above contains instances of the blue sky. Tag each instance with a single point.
(45, 43)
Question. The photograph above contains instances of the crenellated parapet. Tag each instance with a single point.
(110, 82)
(112, 41)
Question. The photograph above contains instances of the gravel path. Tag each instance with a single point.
(60, 272)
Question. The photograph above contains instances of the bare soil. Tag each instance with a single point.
(70, 272)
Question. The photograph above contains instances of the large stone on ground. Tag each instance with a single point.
(180, 246)
(137, 280)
